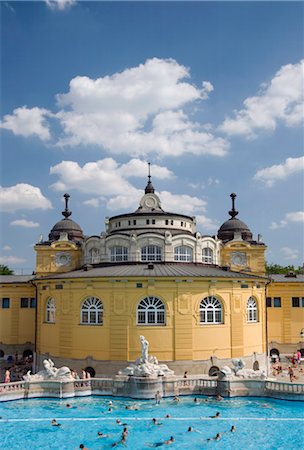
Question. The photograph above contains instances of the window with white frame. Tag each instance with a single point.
(207, 255)
(183, 253)
(151, 253)
(50, 311)
(252, 310)
(151, 311)
(211, 311)
(92, 311)
(119, 254)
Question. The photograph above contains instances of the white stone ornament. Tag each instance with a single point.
(50, 372)
(62, 259)
(238, 258)
(147, 365)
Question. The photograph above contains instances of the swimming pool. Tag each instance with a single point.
(260, 423)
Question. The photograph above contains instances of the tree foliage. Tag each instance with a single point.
(4, 270)
(272, 268)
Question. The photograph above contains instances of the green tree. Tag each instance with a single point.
(4, 270)
(272, 268)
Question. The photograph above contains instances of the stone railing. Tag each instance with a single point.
(289, 388)
(146, 387)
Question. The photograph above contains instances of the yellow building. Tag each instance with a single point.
(285, 312)
(199, 300)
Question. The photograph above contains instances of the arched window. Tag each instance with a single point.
(207, 255)
(151, 311)
(183, 253)
(252, 310)
(119, 253)
(151, 253)
(92, 311)
(211, 310)
(50, 311)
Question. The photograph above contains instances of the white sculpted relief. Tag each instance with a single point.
(50, 372)
(147, 365)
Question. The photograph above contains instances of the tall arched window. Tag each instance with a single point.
(151, 311)
(50, 311)
(207, 255)
(119, 253)
(151, 253)
(183, 253)
(252, 310)
(211, 310)
(92, 311)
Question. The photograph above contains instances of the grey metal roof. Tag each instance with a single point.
(188, 270)
(16, 278)
(282, 278)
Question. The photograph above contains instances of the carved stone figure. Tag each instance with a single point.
(50, 372)
(144, 348)
(147, 365)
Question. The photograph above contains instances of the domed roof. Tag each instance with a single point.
(66, 225)
(231, 226)
(149, 188)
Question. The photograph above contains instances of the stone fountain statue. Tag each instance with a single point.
(49, 373)
(147, 365)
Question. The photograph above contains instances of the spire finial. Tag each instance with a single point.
(233, 211)
(149, 188)
(66, 213)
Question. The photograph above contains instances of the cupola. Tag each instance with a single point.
(234, 227)
(66, 226)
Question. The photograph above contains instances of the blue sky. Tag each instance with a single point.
(211, 93)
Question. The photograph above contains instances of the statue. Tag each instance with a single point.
(50, 372)
(147, 365)
(144, 348)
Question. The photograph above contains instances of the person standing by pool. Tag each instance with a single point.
(7, 376)
(158, 398)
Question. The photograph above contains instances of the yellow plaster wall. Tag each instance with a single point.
(17, 325)
(46, 254)
(285, 323)
(183, 337)
(255, 255)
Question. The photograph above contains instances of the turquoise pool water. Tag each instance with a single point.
(260, 423)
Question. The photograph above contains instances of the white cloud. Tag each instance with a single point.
(60, 4)
(28, 121)
(139, 168)
(104, 177)
(135, 112)
(297, 216)
(271, 174)
(95, 202)
(182, 203)
(206, 223)
(289, 253)
(8, 260)
(24, 223)
(7, 248)
(280, 100)
(22, 196)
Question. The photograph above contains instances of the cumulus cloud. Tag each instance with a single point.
(104, 177)
(136, 112)
(271, 174)
(28, 121)
(24, 223)
(289, 253)
(7, 248)
(291, 217)
(206, 223)
(60, 4)
(280, 100)
(8, 260)
(94, 202)
(22, 196)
